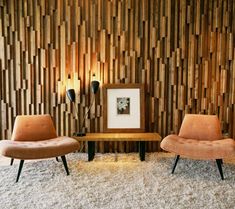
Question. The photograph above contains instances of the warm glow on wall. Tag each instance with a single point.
(69, 83)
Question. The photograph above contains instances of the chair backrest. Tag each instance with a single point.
(33, 128)
(201, 127)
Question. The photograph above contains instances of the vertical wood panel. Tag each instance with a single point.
(182, 50)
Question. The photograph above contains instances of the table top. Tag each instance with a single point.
(119, 137)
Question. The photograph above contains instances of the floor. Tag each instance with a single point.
(109, 184)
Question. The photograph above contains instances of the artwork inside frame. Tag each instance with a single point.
(123, 108)
(123, 105)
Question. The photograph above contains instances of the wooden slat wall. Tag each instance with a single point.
(183, 50)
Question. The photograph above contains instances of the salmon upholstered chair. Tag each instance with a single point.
(200, 137)
(34, 137)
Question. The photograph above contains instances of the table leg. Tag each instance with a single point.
(142, 150)
(115, 150)
(91, 150)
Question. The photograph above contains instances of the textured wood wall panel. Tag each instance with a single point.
(182, 50)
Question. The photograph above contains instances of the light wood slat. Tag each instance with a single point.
(183, 51)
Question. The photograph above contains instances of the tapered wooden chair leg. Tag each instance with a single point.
(176, 161)
(65, 164)
(219, 163)
(19, 170)
(12, 160)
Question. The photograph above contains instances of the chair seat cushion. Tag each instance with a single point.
(38, 149)
(217, 149)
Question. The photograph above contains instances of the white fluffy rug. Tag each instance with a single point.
(127, 183)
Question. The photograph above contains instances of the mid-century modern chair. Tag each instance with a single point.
(200, 137)
(34, 137)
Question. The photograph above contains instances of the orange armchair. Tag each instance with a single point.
(34, 137)
(200, 137)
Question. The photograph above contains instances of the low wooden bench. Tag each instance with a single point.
(91, 138)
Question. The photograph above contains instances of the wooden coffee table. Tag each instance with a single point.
(91, 138)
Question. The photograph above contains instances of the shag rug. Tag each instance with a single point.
(125, 183)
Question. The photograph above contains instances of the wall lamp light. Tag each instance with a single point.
(71, 95)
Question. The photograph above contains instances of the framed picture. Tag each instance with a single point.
(123, 108)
